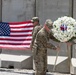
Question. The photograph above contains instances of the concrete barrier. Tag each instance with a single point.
(61, 65)
(16, 61)
(73, 66)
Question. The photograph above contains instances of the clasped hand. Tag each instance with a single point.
(57, 47)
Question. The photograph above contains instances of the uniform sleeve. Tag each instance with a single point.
(44, 41)
(51, 46)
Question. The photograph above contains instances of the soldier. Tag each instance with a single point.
(37, 27)
(40, 48)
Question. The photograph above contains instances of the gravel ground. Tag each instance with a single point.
(23, 72)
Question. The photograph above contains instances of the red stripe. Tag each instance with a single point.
(14, 43)
(21, 35)
(15, 39)
(23, 27)
(16, 23)
(21, 31)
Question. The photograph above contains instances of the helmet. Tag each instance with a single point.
(35, 19)
(49, 23)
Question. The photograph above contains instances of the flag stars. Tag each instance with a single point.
(4, 29)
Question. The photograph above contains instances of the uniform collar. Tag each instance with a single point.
(37, 25)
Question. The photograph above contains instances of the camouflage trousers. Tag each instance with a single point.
(40, 60)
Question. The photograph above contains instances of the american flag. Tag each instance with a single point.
(16, 36)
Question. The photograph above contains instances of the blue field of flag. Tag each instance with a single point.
(4, 29)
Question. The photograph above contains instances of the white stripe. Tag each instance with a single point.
(17, 29)
(19, 46)
(7, 41)
(29, 37)
(20, 33)
(27, 24)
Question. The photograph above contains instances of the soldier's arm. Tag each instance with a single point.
(51, 46)
(53, 38)
(45, 44)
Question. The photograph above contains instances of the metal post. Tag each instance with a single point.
(69, 49)
(0, 16)
(71, 2)
(69, 55)
(0, 10)
(35, 8)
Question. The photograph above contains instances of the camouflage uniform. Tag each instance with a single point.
(34, 33)
(40, 51)
(35, 29)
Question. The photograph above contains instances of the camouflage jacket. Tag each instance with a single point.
(34, 33)
(42, 40)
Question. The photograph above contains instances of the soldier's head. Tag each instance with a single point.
(35, 21)
(49, 23)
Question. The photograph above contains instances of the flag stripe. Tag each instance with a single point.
(19, 23)
(15, 43)
(14, 26)
(20, 42)
(18, 37)
(15, 39)
(21, 31)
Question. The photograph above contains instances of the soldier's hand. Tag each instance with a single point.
(57, 48)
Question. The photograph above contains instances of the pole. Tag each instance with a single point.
(56, 59)
(69, 55)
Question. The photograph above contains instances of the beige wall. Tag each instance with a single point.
(17, 10)
(52, 9)
(74, 9)
(21, 10)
